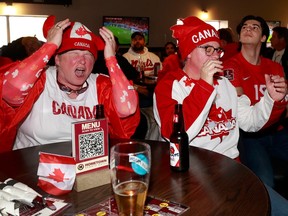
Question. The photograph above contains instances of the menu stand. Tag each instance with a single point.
(90, 150)
(93, 179)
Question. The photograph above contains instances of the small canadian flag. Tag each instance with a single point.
(56, 173)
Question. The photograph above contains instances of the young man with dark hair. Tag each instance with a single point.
(247, 71)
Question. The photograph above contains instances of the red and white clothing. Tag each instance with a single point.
(52, 114)
(252, 80)
(50, 119)
(147, 58)
(212, 114)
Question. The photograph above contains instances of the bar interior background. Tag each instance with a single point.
(162, 13)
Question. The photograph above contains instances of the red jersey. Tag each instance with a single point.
(251, 77)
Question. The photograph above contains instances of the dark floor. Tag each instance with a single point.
(282, 187)
(281, 177)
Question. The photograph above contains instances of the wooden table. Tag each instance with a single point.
(214, 184)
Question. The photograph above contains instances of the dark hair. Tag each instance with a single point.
(14, 50)
(282, 32)
(225, 34)
(137, 33)
(264, 27)
(173, 44)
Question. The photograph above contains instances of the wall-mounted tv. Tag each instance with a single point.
(123, 26)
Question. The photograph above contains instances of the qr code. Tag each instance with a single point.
(91, 145)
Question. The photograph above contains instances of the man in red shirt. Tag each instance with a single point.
(246, 71)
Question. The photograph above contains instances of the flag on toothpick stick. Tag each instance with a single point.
(56, 173)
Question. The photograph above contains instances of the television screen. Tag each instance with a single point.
(122, 27)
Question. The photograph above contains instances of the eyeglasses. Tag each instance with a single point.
(209, 50)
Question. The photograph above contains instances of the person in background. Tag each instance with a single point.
(279, 50)
(139, 55)
(171, 60)
(212, 110)
(170, 63)
(247, 71)
(140, 58)
(227, 43)
(45, 101)
(21, 48)
(169, 49)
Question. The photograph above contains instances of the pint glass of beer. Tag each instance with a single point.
(130, 172)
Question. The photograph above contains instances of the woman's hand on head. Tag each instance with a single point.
(56, 32)
(110, 44)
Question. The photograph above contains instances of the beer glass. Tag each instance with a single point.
(130, 172)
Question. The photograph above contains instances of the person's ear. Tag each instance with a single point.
(57, 60)
(264, 38)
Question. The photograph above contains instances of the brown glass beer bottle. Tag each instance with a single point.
(179, 145)
(100, 111)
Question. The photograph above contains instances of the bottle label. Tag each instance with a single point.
(175, 118)
(174, 154)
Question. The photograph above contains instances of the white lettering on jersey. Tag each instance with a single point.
(259, 89)
(76, 112)
(218, 123)
(218, 128)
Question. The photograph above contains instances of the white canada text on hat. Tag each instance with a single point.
(81, 44)
(202, 35)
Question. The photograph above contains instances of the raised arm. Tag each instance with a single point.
(124, 95)
(268, 110)
(21, 77)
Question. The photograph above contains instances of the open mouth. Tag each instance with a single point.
(79, 72)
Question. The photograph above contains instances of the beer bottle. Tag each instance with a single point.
(100, 111)
(156, 68)
(179, 146)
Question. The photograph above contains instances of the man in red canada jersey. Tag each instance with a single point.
(246, 71)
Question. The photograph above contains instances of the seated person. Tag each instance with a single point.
(170, 63)
(67, 92)
(139, 56)
(227, 43)
(212, 111)
(169, 49)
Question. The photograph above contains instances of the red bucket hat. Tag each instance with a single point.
(192, 33)
(76, 37)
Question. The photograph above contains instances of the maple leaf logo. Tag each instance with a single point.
(81, 31)
(188, 81)
(57, 175)
(218, 124)
(172, 150)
